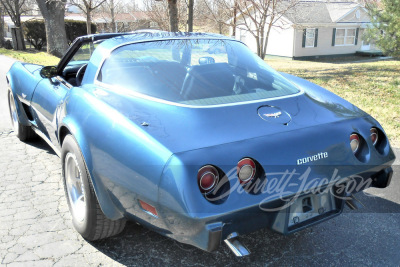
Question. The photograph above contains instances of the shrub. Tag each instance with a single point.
(8, 45)
(35, 33)
(75, 29)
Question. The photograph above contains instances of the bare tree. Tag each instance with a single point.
(108, 11)
(53, 12)
(168, 15)
(157, 12)
(87, 6)
(258, 17)
(218, 13)
(15, 8)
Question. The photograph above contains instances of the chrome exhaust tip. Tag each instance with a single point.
(236, 246)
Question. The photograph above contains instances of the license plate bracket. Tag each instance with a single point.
(310, 209)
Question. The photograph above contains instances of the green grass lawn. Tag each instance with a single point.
(372, 86)
(31, 56)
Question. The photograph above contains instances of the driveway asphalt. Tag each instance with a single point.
(5, 64)
(36, 228)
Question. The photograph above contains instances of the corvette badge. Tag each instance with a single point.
(273, 115)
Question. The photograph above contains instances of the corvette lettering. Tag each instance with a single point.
(322, 155)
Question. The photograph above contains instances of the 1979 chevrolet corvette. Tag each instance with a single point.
(202, 147)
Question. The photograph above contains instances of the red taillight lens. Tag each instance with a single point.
(354, 142)
(246, 170)
(374, 136)
(207, 178)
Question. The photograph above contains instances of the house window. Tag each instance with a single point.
(345, 37)
(310, 38)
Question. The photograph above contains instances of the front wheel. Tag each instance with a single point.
(87, 216)
(24, 133)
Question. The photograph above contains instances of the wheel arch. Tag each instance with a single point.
(70, 126)
(22, 117)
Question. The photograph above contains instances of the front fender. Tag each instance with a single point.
(22, 79)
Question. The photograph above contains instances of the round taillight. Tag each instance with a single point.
(207, 178)
(354, 142)
(374, 136)
(246, 170)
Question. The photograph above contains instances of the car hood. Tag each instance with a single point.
(184, 128)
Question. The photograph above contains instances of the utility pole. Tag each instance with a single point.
(190, 15)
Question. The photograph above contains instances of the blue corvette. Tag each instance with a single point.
(201, 147)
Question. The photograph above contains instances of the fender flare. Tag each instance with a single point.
(22, 117)
(70, 126)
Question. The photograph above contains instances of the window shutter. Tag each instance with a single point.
(316, 38)
(304, 38)
(333, 36)
(356, 41)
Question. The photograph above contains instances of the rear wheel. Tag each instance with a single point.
(24, 133)
(87, 216)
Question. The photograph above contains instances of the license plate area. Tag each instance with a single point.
(312, 208)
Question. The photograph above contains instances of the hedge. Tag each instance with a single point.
(35, 32)
(75, 29)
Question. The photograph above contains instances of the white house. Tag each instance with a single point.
(311, 29)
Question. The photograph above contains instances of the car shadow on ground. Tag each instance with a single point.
(41, 144)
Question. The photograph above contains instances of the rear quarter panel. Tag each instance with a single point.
(124, 162)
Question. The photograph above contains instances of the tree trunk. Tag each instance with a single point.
(1, 28)
(234, 19)
(18, 38)
(173, 15)
(258, 45)
(262, 32)
(190, 16)
(53, 13)
(88, 21)
(113, 26)
(266, 40)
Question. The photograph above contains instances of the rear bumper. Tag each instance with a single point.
(208, 232)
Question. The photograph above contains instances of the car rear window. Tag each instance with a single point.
(194, 72)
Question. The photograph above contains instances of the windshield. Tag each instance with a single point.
(194, 72)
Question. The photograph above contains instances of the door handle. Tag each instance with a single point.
(55, 83)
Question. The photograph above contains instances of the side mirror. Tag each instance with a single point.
(48, 72)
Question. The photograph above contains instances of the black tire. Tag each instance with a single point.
(24, 133)
(89, 221)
